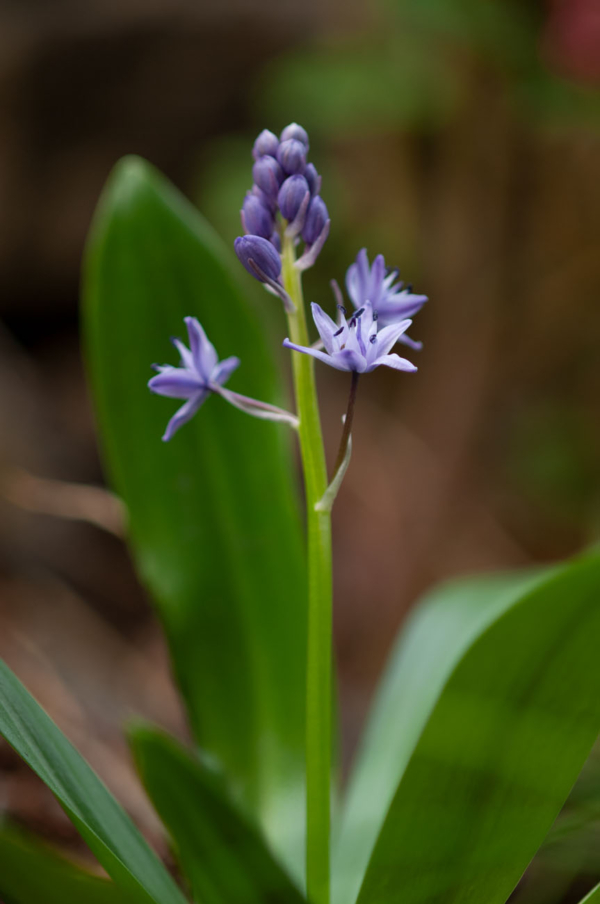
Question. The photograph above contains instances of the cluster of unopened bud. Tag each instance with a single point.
(284, 200)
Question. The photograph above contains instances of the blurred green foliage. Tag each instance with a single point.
(413, 64)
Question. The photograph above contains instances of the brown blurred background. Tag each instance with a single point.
(461, 138)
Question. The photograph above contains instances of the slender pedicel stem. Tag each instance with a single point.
(318, 677)
(347, 423)
(255, 407)
(325, 503)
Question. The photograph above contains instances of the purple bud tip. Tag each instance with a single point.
(266, 143)
(312, 177)
(260, 251)
(292, 156)
(291, 195)
(297, 132)
(316, 217)
(256, 217)
(268, 175)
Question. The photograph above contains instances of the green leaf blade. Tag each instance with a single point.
(221, 853)
(30, 874)
(213, 514)
(101, 821)
(508, 722)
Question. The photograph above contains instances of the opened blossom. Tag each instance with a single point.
(200, 374)
(393, 301)
(356, 344)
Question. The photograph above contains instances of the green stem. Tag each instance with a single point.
(318, 680)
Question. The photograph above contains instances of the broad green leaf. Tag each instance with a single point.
(213, 514)
(593, 897)
(92, 809)
(32, 874)
(487, 713)
(221, 853)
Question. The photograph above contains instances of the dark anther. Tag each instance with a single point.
(358, 313)
(375, 315)
(342, 309)
(373, 339)
(341, 330)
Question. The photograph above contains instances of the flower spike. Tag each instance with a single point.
(284, 183)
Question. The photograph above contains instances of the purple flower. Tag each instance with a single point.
(268, 175)
(314, 232)
(262, 260)
(259, 257)
(199, 372)
(297, 132)
(283, 183)
(266, 143)
(291, 155)
(269, 203)
(312, 177)
(356, 344)
(294, 194)
(316, 217)
(392, 302)
(256, 218)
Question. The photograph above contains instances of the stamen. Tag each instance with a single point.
(375, 315)
(358, 313)
(373, 339)
(341, 330)
(342, 309)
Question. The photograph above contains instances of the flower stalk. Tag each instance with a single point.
(342, 451)
(319, 661)
(325, 503)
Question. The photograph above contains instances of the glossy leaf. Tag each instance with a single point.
(92, 809)
(31, 874)
(221, 853)
(593, 897)
(487, 713)
(213, 514)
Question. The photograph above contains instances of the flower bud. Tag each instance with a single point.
(297, 132)
(291, 195)
(316, 217)
(256, 218)
(312, 177)
(269, 203)
(292, 156)
(253, 249)
(268, 175)
(266, 143)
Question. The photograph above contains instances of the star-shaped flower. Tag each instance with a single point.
(199, 374)
(356, 344)
(393, 301)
